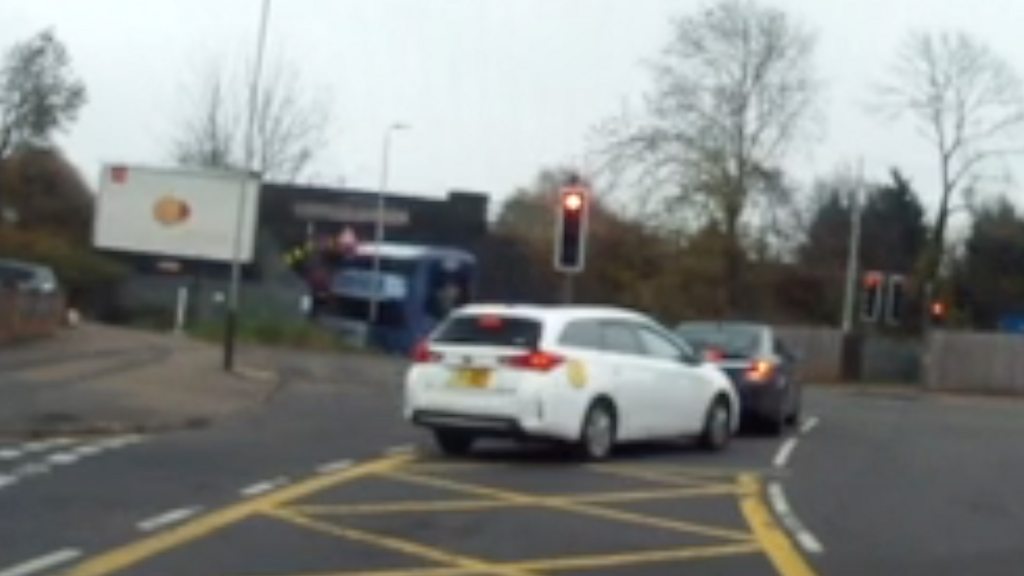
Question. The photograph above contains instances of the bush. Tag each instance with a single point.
(273, 332)
(82, 272)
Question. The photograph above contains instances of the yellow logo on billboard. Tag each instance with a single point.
(577, 374)
(171, 211)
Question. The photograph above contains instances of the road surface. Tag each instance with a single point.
(326, 479)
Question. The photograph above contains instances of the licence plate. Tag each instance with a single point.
(472, 378)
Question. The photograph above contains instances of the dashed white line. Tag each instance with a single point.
(263, 487)
(87, 450)
(400, 449)
(785, 450)
(62, 458)
(45, 562)
(9, 454)
(166, 519)
(329, 467)
(803, 536)
(6, 480)
(809, 424)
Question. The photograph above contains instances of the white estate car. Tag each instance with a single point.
(591, 376)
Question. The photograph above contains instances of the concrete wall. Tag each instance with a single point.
(976, 362)
(29, 315)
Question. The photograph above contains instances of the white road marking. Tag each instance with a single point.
(31, 469)
(263, 487)
(803, 536)
(400, 449)
(42, 563)
(165, 519)
(9, 454)
(86, 450)
(62, 458)
(329, 467)
(6, 480)
(809, 424)
(782, 456)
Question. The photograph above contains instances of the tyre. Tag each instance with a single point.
(597, 436)
(775, 423)
(453, 442)
(717, 425)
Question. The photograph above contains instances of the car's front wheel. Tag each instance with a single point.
(453, 442)
(717, 425)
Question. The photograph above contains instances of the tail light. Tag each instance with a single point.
(422, 354)
(536, 360)
(760, 371)
(712, 355)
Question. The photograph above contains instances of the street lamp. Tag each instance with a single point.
(378, 235)
(231, 318)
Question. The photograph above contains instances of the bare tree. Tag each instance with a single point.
(967, 101)
(733, 91)
(291, 126)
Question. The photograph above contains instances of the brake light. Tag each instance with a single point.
(713, 355)
(536, 360)
(490, 322)
(760, 371)
(422, 354)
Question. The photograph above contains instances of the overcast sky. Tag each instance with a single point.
(494, 89)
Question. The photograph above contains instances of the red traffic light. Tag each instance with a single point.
(938, 309)
(573, 201)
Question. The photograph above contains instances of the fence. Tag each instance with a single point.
(976, 362)
(29, 315)
(819, 351)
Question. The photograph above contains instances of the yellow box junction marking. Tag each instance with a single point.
(586, 509)
(131, 554)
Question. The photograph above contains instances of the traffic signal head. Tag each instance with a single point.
(571, 229)
(937, 310)
(573, 200)
(871, 297)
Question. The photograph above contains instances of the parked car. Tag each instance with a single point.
(759, 364)
(594, 377)
(27, 277)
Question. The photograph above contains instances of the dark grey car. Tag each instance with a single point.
(759, 364)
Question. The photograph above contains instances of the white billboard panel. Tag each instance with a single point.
(175, 212)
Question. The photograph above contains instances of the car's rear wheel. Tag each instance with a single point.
(717, 425)
(454, 442)
(597, 437)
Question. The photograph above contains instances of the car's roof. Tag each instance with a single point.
(553, 312)
(723, 324)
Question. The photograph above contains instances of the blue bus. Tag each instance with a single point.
(418, 286)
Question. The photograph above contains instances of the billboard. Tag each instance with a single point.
(175, 212)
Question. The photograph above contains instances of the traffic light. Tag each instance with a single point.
(937, 312)
(894, 300)
(871, 297)
(571, 228)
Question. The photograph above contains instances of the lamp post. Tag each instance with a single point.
(231, 318)
(378, 235)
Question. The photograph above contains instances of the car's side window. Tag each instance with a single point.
(582, 334)
(621, 338)
(658, 346)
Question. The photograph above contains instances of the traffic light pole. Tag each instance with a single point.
(568, 288)
(853, 255)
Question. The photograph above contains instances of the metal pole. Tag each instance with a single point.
(379, 233)
(568, 288)
(231, 318)
(853, 255)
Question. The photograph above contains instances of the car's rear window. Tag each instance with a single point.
(730, 341)
(488, 330)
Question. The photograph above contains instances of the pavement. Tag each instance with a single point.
(324, 478)
(99, 379)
